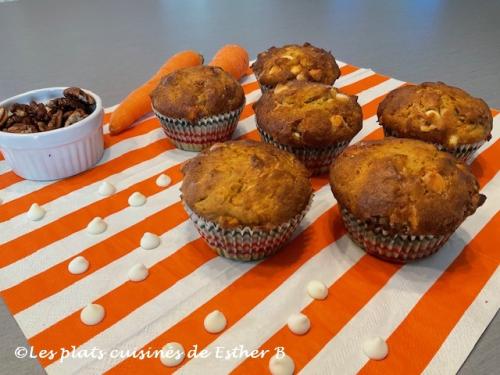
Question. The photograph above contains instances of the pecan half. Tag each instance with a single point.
(78, 94)
(76, 116)
(56, 120)
(4, 115)
(22, 128)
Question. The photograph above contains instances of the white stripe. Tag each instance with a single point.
(271, 314)
(4, 167)
(468, 330)
(392, 304)
(152, 318)
(110, 109)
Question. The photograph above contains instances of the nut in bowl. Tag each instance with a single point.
(51, 133)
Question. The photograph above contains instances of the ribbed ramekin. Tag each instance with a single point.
(54, 154)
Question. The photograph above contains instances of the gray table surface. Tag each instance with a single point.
(111, 46)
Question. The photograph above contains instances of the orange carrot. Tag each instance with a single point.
(138, 103)
(233, 59)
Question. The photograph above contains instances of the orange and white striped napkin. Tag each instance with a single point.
(431, 312)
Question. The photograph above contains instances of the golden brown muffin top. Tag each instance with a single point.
(293, 61)
(246, 183)
(308, 114)
(197, 92)
(405, 186)
(437, 113)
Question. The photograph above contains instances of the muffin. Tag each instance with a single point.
(313, 121)
(437, 113)
(245, 198)
(293, 61)
(198, 106)
(401, 199)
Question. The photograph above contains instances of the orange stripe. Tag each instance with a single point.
(249, 87)
(348, 69)
(249, 290)
(8, 178)
(370, 81)
(52, 332)
(348, 295)
(417, 339)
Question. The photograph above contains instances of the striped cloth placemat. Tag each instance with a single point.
(431, 312)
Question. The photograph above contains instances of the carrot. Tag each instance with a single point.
(138, 103)
(233, 59)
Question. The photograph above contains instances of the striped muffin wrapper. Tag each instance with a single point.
(398, 248)
(317, 160)
(196, 136)
(463, 152)
(245, 243)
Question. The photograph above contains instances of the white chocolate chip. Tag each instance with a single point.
(106, 189)
(36, 212)
(136, 199)
(317, 290)
(296, 69)
(92, 314)
(78, 265)
(215, 322)
(138, 272)
(299, 324)
(301, 77)
(172, 354)
(163, 180)
(453, 140)
(96, 226)
(281, 364)
(150, 241)
(342, 97)
(375, 348)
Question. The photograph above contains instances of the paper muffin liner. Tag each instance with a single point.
(316, 159)
(399, 248)
(463, 152)
(196, 136)
(245, 243)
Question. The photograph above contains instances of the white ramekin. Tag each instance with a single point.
(54, 154)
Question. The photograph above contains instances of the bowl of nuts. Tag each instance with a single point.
(51, 133)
